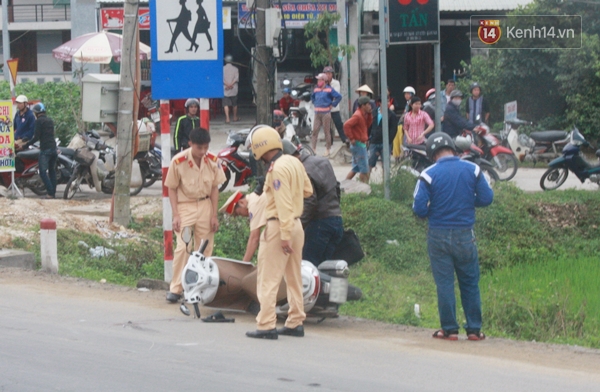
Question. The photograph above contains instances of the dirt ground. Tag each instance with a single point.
(89, 216)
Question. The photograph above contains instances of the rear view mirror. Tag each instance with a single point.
(186, 235)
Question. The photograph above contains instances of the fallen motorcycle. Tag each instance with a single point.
(503, 159)
(231, 284)
(571, 160)
(538, 146)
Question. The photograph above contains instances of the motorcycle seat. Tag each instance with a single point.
(29, 154)
(416, 146)
(69, 152)
(548, 136)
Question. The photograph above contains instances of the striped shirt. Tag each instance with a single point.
(414, 126)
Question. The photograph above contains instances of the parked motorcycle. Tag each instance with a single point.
(95, 166)
(416, 159)
(538, 146)
(227, 283)
(27, 173)
(503, 159)
(302, 116)
(571, 160)
(233, 160)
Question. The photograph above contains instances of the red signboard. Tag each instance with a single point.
(112, 18)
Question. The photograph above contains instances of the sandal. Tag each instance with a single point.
(476, 336)
(218, 318)
(441, 334)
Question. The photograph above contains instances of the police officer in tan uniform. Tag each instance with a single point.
(280, 250)
(193, 182)
(252, 206)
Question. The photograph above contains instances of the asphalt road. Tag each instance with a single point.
(69, 335)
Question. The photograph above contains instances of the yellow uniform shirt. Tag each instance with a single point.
(286, 186)
(193, 182)
(257, 210)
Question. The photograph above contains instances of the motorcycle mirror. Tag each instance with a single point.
(294, 93)
(186, 235)
(184, 310)
(286, 82)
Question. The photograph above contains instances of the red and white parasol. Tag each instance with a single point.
(96, 48)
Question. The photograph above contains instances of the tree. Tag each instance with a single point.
(322, 51)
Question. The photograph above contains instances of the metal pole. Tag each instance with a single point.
(341, 35)
(165, 142)
(438, 86)
(5, 40)
(264, 90)
(384, 102)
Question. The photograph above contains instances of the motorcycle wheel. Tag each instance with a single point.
(151, 178)
(72, 186)
(553, 178)
(490, 174)
(134, 191)
(306, 147)
(506, 166)
(227, 178)
(39, 188)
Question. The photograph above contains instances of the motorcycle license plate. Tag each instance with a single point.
(155, 116)
(338, 290)
(295, 121)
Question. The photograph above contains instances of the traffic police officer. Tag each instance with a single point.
(193, 182)
(280, 250)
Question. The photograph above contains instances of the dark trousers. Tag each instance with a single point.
(47, 163)
(339, 125)
(321, 236)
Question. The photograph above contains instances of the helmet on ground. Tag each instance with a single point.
(473, 85)
(456, 93)
(328, 69)
(21, 99)
(38, 108)
(436, 141)
(364, 88)
(288, 147)
(409, 89)
(192, 101)
(263, 140)
(228, 58)
(287, 90)
(429, 92)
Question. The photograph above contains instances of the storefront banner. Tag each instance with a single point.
(7, 147)
(112, 18)
(295, 15)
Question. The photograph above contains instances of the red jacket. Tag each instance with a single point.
(357, 126)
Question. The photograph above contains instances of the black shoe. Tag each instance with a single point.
(263, 334)
(172, 297)
(298, 331)
(169, 51)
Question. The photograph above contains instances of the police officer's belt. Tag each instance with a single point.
(203, 198)
(274, 218)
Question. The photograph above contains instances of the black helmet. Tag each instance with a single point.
(456, 93)
(38, 108)
(436, 141)
(473, 85)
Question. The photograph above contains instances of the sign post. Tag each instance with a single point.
(187, 61)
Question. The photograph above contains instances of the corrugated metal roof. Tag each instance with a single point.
(462, 5)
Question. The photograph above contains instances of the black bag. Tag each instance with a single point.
(349, 248)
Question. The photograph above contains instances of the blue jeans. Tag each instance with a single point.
(321, 236)
(47, 163)
(359, 158)
(450, 251)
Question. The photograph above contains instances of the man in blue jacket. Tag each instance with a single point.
(454, 123)
(447, 194)
(24, 121)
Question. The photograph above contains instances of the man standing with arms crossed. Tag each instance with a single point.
(280, 250)
(24, 121)
(193, 181)
(447, 194)
(335, 111)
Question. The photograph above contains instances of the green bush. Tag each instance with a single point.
(62, 101)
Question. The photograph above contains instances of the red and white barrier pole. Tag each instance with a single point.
(165, 142)
(205, 113)
(48, 245)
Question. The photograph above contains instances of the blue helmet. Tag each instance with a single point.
(287, 90)
(39, 108)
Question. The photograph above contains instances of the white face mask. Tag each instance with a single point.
(457, 102)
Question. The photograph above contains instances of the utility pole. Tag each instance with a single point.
(264, 87)
(125, 118)
(384, 104)
(5, 40)
(341, 36)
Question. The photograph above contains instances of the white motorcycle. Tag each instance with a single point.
(538, 146)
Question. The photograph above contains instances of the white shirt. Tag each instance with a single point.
(335, 84)
(231, 75)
